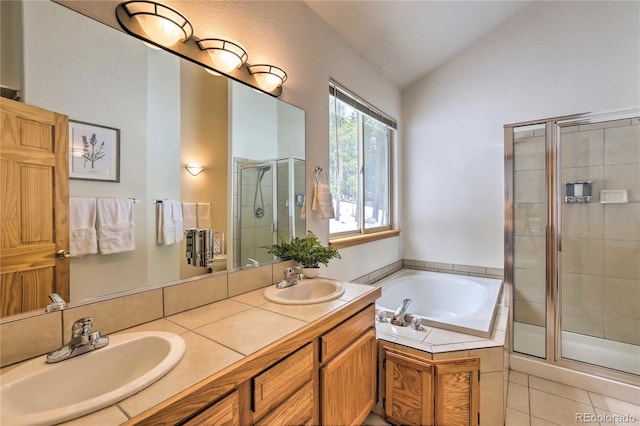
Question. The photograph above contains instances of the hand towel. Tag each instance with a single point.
(189, 215)
(82, 226)
(166, 230)
(115, 228)
(204, 215)
(322, 201)
(178, 222)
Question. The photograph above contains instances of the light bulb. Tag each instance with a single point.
(160, 30)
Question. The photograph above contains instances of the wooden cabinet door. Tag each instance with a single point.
(457, 392)
(409, 389)
(34, 195)
(226, 412)
(348, 383)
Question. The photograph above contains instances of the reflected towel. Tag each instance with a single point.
(178, 223)
(322, 201)
(170, 225)
(189, 215)
(204, 215)
(115, 226)
(82, 226)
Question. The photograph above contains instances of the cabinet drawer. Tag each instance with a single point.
(274, 385)
(337, 339)
(296, 410)
(225, 412)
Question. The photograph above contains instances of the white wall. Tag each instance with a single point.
(556, 58)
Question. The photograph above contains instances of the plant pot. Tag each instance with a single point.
(311, 272)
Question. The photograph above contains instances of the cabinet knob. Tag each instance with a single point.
(63, 254)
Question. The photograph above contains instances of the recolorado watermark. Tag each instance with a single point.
(605, 418)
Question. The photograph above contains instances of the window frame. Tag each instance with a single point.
(366, 234)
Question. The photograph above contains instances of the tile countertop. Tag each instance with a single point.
(219, 335)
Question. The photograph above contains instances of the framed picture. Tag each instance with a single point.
(94, 152)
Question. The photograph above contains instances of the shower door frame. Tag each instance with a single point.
(553, 238)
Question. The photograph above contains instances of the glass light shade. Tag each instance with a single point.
(194, 169)
(225, 55)
(160, 30)
(268, 77)
(161, 24)
(224, 61)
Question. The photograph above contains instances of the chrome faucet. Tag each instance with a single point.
(57, 303)
(83, 340)
(252, 262)
(291, 277)
(398, 317)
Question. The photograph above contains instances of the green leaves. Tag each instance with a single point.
(306, 250)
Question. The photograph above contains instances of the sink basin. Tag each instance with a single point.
(36, 393)
(306, 292)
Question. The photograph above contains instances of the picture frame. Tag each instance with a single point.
(94, 152)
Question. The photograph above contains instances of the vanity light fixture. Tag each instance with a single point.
(225, 55)
(161, 24)
(194, 169)
(268, 77)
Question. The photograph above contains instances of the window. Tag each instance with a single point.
(359, 165)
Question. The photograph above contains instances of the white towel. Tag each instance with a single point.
(115, 228)
(189, 215)
(82, 226)
(178, 223)
(322, 201)
(204, 215)
(170, 225)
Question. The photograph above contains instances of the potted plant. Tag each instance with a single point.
(307, 251)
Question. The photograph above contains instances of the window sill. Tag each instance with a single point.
(354, 240)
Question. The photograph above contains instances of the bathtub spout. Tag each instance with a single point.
(399, 314)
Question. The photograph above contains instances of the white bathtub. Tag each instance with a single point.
(453, 302)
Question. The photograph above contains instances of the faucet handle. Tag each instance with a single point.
(82, 327)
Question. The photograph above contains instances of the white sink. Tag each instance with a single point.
(305, 292)
(37, 393)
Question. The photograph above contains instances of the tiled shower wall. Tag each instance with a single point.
(600, 258)
(601, 242)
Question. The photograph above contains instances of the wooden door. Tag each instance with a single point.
(348, 383)
(409, 389)
(457, 392)
(34, 195)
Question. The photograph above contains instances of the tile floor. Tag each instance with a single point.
(532, 401)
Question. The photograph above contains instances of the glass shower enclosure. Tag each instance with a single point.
(572, 241)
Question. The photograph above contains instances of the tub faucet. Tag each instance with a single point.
(398, 316)
(291, 277)
(252, 262)
(83, 340)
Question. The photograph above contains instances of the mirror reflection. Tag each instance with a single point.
(170, 113)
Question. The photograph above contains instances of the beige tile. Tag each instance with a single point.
(491, 399)
(439, 265)
(438, 336)
(614, 405)
(157, 325)
(583, 220)
(559, 389)
(621, 145)
(253, 298)
(622, 329)
(456, 352)
(118, 313)
(529, 219)
(555, 408)
(584, 148)
(207, 314)
(583, 304)
(19, 342)
(535, 421)
(470, 269)
(496, 272)
(491, 359)
(518, 397)
(529, 252)
(192, 294)
(108, 416)
(529, 154)
(617, 300)
(414, 263)
(250, 330)
(622, 221)
(581, 256)
(622, 259)
(249, 279)
(624, 176)
(529, 312)
(202, 358)
(516, 418)
(305, 313)
(530, 285)
(352, 291)
(518, 377)
(606, 124)
(529, 186)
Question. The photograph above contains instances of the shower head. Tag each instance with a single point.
(265, 168)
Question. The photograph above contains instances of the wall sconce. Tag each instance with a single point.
(162, 24)
(194, 169)
(268, 77)
(225, 55)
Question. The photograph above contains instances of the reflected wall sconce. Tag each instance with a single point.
(268, 77)
(225, 55)
(161, 24)
(194, 169)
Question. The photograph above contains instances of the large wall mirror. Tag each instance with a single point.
(169, 112)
